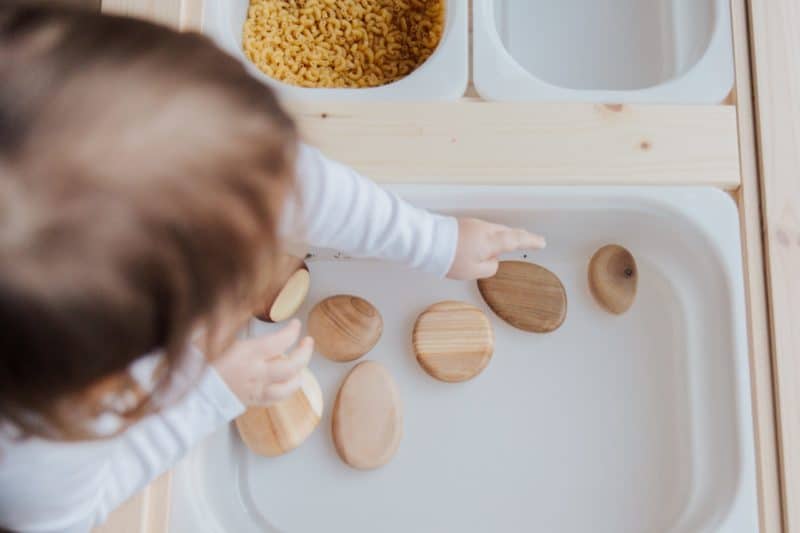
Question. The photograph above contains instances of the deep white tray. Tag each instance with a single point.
(443, 76)
(621, 51)
(634, 423)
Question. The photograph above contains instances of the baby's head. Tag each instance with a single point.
(142, 174)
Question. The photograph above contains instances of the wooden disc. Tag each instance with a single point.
(613, 278)
(453, 341)
(367, 418)
(344, 327)
(279, 428)
(287, 291)
(526, 295)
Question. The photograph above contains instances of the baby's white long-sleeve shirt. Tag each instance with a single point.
(342, 210)
(69, 487)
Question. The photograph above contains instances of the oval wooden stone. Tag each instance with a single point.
(279, 428)
(453, 341)
(367, 417)
(287, 291)
(344, 327)
(526, 295)
(613, 278)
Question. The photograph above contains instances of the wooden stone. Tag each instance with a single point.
(613, 278)
(367, 417)
(526, 295)
(453, 341)
(344, 327)
(287, 291)
(279, 428)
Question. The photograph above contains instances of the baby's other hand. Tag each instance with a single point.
(263, 370)
(480, 243)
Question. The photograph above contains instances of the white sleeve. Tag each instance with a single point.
(152, 446)
(338, 208)
(70, 487)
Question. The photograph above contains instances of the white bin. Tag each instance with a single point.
(611, 424)
(444, 75)
(611, 51)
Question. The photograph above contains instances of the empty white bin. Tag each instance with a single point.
(648, 51)
(443, 76)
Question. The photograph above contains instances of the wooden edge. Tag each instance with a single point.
(761, 371)
(155, 518)
(191, 15)
(146, 512)
(528, 143)
(128, 517)
(180, 14)
(774, 42)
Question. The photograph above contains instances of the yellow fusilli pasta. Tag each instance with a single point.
(341, 43)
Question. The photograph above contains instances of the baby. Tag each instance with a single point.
(147, 186)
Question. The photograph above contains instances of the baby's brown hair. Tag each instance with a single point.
(142, 174)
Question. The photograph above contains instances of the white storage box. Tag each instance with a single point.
(609, 51)
(444, 75)
(631, 423)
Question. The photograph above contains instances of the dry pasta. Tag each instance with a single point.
(341, 43)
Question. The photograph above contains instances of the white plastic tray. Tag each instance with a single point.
(443, 76)
(620, 51)
(615, 424)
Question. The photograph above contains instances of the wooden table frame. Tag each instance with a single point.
(742, 145)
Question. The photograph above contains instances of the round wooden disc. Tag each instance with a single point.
(612, 278)
(279, 428)
(453, 341)
(526, 295)
(344, 327)
(367, 418)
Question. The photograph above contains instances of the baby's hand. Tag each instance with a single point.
(263, 370)
(480, 243)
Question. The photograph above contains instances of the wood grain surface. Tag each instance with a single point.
(530, 143)
(526, 295)
(367, 419)
(180, 14)
(749, 200)
(776, 52)
(453, 341)
(282, 427)
(613, 278)
(344, 327)
(289, 283)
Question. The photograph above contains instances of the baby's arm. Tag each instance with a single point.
(341, 209)
(74, 486)
(82, 482)
(155, 444)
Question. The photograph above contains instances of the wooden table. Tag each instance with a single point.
(775, 42)
(750, 146)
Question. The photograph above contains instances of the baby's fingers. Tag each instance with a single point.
(281, 369)
(486, 269)
(277, 343)
(511, 240)
(276, 392)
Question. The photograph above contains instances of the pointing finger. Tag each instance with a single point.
(487, 269)
(512, 240)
